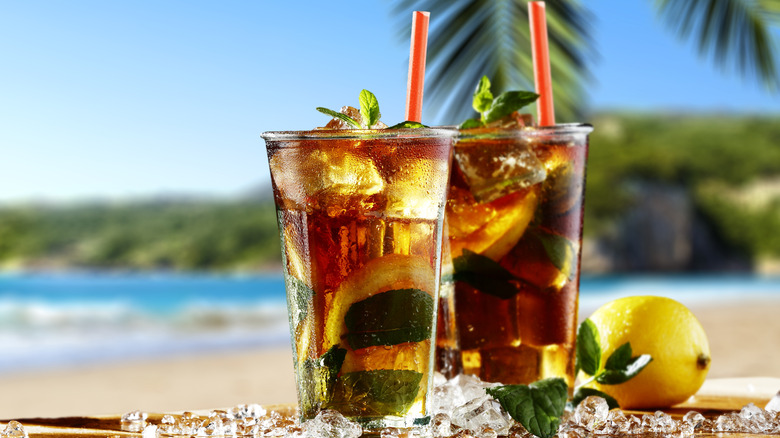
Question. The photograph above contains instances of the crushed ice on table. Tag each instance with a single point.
(249, 421)
(591, 413)
(774, 404)
(589, 419)
(441, 425)
(149, 431)
(133, 421)
(483, 411)
(454, 393)
(331, 424)
(14, 429)
(460, 408)
(465, 403)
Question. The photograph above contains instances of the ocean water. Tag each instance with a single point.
(60, 320)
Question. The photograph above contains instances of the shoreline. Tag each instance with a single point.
(743, 336)
(185, 382)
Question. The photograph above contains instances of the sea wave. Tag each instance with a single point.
(36, 334)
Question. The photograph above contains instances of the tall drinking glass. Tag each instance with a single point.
(360, 218)
(511, 271)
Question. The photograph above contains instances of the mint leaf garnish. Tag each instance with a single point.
(470, 124)
(483, 98)
(620, 375)
(369, 114)
(369, 108)
(560, 251)
(389, 318)
(507, 103)
(491, 109)
(621, 366)
(538, 406)
(341, 116)
(620, 358)
(333, 359)
(588, 348)
(407, 125)
(484, 274)
(583, 393)
(375, 392)
(320, 377)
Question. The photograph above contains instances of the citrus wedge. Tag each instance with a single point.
(497, 236)
(382, 274)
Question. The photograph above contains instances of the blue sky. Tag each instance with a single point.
(118, 99)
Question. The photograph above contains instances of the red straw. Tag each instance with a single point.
(541, 57)
(414, 87)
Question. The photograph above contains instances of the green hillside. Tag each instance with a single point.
(143, 235)
(722, 162)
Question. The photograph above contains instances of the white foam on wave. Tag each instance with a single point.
(36, 334)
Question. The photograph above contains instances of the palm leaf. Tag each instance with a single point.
(733, 32)
(471, 38)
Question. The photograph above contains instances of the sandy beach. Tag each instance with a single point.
(744, 339)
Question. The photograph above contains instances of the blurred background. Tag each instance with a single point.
(136, 219)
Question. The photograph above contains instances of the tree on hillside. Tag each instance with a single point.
(470, 38)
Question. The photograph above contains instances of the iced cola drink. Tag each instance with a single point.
(514, 221)
(360, 217)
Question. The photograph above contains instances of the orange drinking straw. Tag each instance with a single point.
(414, 86)
(541, 60)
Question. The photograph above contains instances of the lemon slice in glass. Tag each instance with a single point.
(382, 274)
(501, 229)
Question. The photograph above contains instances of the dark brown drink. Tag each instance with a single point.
(514, 222)
(360, 217)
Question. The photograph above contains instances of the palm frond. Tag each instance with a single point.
(471, 38)
(736, 34)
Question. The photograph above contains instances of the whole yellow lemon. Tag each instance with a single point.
(664, 329)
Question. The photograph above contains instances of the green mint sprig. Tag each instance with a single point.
(540, 405)
(369, 108)
(619, 367)
(491, 109)
(369, 112)
(341, 116)
(408, 125)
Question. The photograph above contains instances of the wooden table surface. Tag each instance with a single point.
(717, 396)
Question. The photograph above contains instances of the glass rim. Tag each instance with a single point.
(360, 134)
(554, 130)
